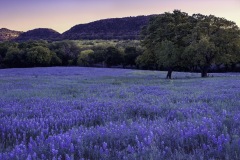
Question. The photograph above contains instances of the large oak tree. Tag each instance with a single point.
(178, 40)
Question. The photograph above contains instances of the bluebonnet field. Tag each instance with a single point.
(92, 113)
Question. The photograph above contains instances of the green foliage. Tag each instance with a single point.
(214, 38)
(28, 54)
(32, 43)
(113, 57)
(14, 57)
(99, 55)
(55, 60)
(38, 56)
(67, 51)
(130, 55)
(3, 51)
(177, 40)
(165, 32)
(173, 41)
(85, 58)
(167, 54)
(201, 52)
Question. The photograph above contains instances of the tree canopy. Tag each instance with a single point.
(178, 40)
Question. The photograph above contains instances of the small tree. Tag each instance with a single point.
(85, 58)
(14, 57)
(38, 56)
(55, 60)
(113, 57)
(99, 55)
(67, 51)
(3, 51)
(130, 56)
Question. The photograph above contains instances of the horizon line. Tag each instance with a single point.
(91, 21)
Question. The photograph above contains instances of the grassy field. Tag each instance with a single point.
(94, 113)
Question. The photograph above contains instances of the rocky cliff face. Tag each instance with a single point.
(7, 35)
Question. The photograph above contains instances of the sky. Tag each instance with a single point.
(61, 15)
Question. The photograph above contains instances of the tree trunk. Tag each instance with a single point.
(204, 72)
(169, 74)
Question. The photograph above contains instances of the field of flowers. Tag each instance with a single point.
(93, 113)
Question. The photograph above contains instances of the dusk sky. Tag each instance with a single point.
(61, 15)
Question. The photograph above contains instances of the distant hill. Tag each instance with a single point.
(38, 34)
(114, 28)
(6, 34)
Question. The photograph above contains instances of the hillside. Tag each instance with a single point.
(38, 34)
(6, 34)
(114, 28)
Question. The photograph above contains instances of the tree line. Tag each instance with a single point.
(66, 53)
(171, 41)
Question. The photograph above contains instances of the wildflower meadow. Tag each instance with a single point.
(77, 113)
